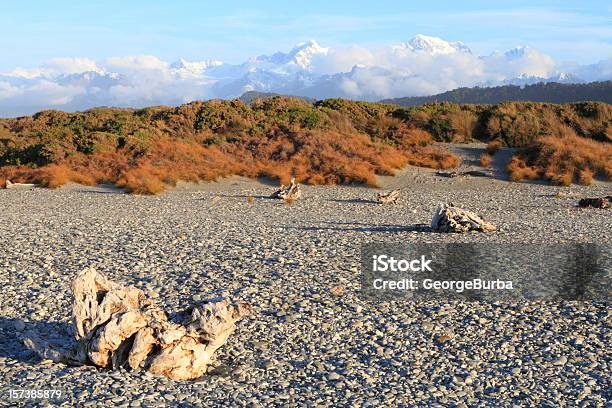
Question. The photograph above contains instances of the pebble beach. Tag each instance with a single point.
(312, 340)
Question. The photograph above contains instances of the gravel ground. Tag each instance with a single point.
(306, 345)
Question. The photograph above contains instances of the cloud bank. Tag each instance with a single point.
(422, 66)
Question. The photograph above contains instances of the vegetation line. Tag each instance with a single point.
(326, 142)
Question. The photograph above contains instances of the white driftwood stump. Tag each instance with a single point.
(290, 192)
(117, 326)
(10, 184)
(449, 218)
(389, 198)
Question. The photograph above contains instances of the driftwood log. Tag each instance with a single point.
(290, 192)
(469, 173)
(449, 218)
(117, 326)
(10, 184)
(389, 198)
(597, 202)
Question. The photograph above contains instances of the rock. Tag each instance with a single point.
(597, 202)
(267, 364)
(560, 361)
(19, 325)
(333, 376)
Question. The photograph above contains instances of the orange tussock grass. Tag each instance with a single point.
(565, 159)
(493, 146)
(146, 151)
(585, 177)
(51, 176)
(485, 160)
(519, 170)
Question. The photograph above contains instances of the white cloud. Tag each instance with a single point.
(600, 71)
(136, 63)
(72, 65)
(39, 93)
(342, 59)
(353, 71)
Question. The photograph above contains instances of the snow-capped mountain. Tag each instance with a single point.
(423, 65)
(433, 45)
(300, 56)
(183, 67)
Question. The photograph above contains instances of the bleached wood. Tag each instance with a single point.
(10, 184)
(289, 192)
(449, 218)
(389, 198)
(117, 326)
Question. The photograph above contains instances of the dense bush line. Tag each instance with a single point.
(327, 142)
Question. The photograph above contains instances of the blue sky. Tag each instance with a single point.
(34, 31)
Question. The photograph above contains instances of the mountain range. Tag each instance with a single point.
(422, 66)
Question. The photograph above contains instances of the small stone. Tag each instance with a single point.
(19, 325)
(267, 364)
(333, 376)
(560, 361)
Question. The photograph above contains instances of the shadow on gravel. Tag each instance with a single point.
(354, 201)
(11, 339)
(258, 197)
(102, 192)
(361, 227)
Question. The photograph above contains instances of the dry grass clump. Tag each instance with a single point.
(142, 180)
(585, 177)
(435, 158)
(519, 170)
(486, 160)
(493, 146)
(564, 159)
(464, 125)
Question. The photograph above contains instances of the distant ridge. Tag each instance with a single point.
(551, 92)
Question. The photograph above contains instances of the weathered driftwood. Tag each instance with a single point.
(117, 326)
(449, 174)
(449, 218)
(477, 173)
(597, 202)
(10, 184)
(389, 198)
(290, 192)
(468, 173)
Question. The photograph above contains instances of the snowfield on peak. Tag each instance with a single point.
(433, 45)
